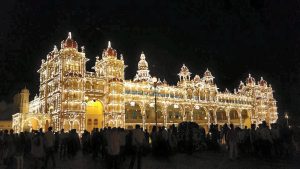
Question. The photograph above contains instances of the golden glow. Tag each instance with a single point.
(94, 115)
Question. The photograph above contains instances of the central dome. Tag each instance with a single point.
(69, 42)
(109, 51)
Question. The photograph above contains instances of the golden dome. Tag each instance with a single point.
(69, 42)
(250, 80)
(109, 51)
(262, 82)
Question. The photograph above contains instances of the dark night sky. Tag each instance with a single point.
(232, 38)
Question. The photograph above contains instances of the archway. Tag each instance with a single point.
(246, 118)
(94, 115)
(221, 116)
(31, 124)
(133, 113)
(200, 116)
(174, 113)
(76, 126)
(150, 115)
(66, 125)
(234, 117)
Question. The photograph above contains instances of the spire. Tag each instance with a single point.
(55, 48)
(70, 35)
(109, 44)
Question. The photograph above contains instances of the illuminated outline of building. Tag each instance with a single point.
(71, 97)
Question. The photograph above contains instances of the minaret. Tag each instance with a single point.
(24, 103)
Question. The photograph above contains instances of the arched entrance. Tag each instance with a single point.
(76, 126)
(133, 114)
(150, 115)
(246, 118)
(66, 125)
(221, 116)
(31, 124)
(94, 115)
(174, 113)
(200, 117)
(234, 117)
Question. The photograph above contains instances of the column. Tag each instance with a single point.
(215, 115)
(143, 117)
(164, 112)
(241, 120)
(228, 116)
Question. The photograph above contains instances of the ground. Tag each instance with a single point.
(207, 160)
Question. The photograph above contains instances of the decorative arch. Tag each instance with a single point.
(67, 125)
(94, 112)
(150, 113)
(234, 116)
(199, 114)
(246, 118)
(174, 113)
(211, 116)
(31, 123)
(221, 115)
(133, 112)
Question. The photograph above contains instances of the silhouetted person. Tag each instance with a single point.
(232, 140)
(49, 146)
(113, 148)
(37, 150)
(63, 141)
(137, 143)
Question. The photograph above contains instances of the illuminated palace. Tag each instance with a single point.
(71, 97)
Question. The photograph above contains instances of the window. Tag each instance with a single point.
(89, 121)
(134, 115)
(95, 122)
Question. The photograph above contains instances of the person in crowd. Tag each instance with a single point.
(265, 140)
(49, 146)
(276, 139)
(138, 139)
(113, 148)
(63, 140)
(224, 131)
(122, 134)
(85, 142)
(20, 147)
(154, 140)
(232, 140)
(56, 142)
(253, 139)
(73, 143)
(95, 142)
(37, 151)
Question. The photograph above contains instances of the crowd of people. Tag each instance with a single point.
(115, 145)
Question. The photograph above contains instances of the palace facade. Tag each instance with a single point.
(71, 97)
